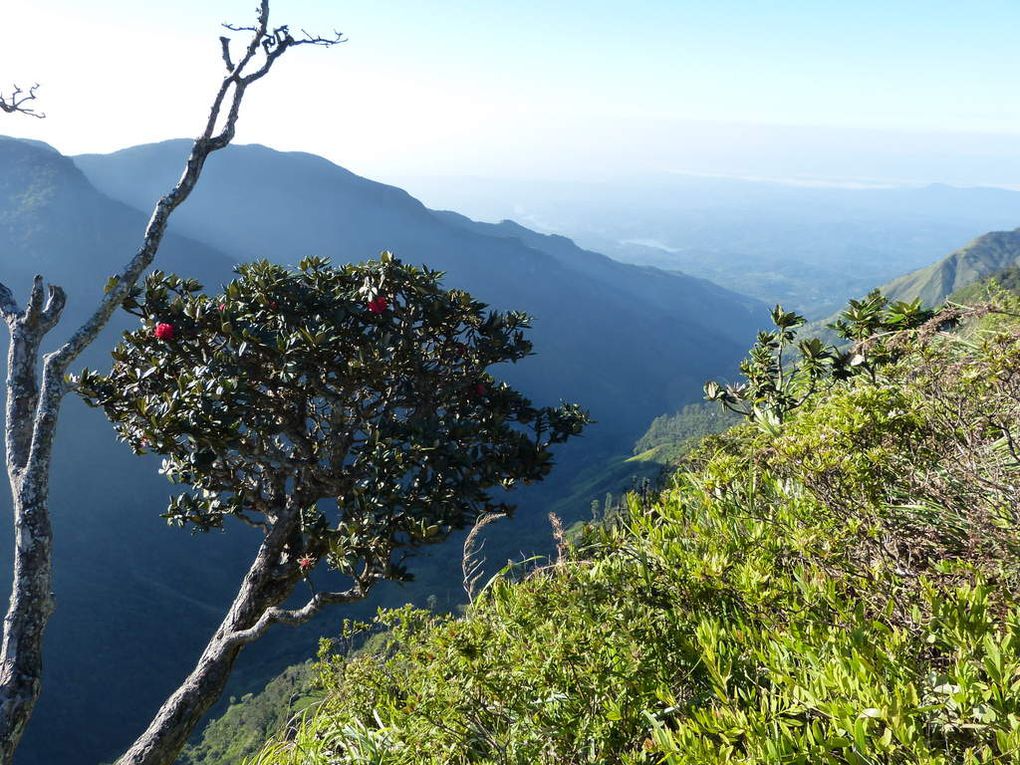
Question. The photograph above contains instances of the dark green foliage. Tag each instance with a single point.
(366, 385)
(774, 386)
(839, 588)
(868, 324)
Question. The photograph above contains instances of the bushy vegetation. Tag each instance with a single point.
(1007, 280)
(836, 587)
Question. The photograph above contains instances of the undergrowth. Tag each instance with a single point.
(838, 587)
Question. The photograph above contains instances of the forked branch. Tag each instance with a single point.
(17, 100)
(225, 109)
(32, 409)
(297, 616)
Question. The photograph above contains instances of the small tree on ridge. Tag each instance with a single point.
(347, 412)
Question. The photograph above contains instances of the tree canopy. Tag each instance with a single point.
(366, 385)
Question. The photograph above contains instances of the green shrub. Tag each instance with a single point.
(836, 587)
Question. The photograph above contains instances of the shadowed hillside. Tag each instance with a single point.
(137, 601)
(620, 338)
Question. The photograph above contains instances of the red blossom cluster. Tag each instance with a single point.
(164, 331)
(378, 304)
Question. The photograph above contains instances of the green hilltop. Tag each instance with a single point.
(961, 276)
(986, 255)
(1007, 279)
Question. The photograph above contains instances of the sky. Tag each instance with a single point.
(869, 91)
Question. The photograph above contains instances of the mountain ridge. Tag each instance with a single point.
(258, 202)
(980, 258)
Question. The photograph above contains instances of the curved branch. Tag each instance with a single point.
(296, 616)
(233, 86)
(16, 101)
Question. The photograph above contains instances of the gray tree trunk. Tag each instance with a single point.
(32, 407)
(257, 606)
(27, 470)
(267, 584)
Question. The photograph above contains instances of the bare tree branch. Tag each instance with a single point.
(16, 101)
(32, 408)
(296, 616)
(225, 49)
(233, 85)
(249, 521)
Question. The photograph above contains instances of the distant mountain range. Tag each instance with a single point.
(656, 331)
(136, 601)
(806, 245)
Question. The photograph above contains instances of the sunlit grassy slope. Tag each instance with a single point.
(840, 588)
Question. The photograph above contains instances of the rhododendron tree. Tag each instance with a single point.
(347, 426)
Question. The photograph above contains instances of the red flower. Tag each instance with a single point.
(221, 307)
(305, 563)
(378, 304)
(164, 331)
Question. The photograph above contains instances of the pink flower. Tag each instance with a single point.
(221, 307)
(378, 304)
(305, 563)
(164, 331)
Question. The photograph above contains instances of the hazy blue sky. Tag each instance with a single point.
(891, 90)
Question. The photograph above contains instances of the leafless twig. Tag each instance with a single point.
(16, 101)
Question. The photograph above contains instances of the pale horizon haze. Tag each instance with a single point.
(870, 92)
